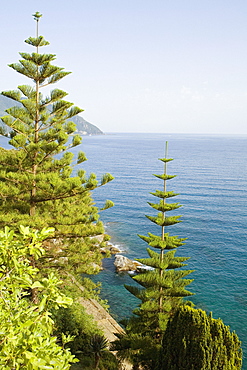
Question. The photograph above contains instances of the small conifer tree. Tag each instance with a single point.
(195, 341)
(38, 185)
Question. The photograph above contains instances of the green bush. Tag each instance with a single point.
(76, 322)
(195, 341)
(107, 362)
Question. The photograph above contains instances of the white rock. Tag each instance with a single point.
(123, 263)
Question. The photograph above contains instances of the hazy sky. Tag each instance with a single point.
(176, 66)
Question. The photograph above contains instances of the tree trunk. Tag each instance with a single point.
(97, 358)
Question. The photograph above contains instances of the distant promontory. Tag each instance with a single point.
(83, 127)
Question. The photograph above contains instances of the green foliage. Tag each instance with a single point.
(26, 335)
(108, 204)
(162, 288)
(94, 353)
(195, 341)
(79, 124)
(107, 362)
(38, 185)
(33, 179)
(138, 349)
(74, 321)
(98, 345)
(167, 333)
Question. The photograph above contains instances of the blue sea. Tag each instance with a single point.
(211, 179)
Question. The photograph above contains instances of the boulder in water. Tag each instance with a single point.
(123, 263)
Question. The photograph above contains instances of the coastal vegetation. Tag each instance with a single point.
(165, 332)
(162, 287)
(83, 127)
(195, 340)
(40, 189)
(55, 239)
(38, 184)
(26, 337)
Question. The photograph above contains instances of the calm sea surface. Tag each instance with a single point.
(212, 183)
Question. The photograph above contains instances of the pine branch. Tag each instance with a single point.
(37, 41)
(165, 207)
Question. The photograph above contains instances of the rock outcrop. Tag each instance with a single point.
(123, 263)
(108, 247)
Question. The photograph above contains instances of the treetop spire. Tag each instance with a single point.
(37, 16)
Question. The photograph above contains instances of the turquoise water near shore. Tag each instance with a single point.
(212, 182)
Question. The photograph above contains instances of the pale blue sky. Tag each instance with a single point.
(141, 65)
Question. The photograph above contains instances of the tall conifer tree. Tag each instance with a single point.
(38, 187)
(164, 286)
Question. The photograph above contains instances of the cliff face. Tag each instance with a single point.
(86, 128)
(83, 127)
